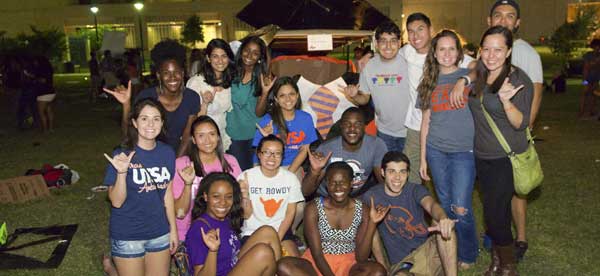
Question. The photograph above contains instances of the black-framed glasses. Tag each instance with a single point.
(268, 153)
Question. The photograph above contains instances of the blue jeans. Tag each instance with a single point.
(393, 143)
(453, 177)
(136, 249)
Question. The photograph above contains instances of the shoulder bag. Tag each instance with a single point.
(527, 170)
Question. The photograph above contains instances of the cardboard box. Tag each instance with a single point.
(22, 189)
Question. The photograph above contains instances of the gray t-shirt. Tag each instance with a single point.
(486, 143)
(403, 229)
(387, 83)
(450, 130)
(362, 161)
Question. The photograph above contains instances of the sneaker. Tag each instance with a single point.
(462, 266)
(520, 249)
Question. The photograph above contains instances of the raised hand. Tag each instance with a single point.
(211, 239)
(266, 83)
(350, 90)
(244, 186)
(266, 130)
(317, 160)
(188, 174)
(444, 227)
(122, 94)
(208, 97)
(507, 91)
(120, 161)
(377, 213)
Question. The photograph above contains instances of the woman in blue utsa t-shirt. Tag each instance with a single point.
(142, 220)
(289, 122)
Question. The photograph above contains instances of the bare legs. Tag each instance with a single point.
(153, 263)
(447, 251)
(46, 115)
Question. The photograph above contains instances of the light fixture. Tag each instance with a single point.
(94, 9)
(138, 6)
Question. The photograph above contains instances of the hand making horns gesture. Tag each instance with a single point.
(350, 90)
(317, 160)
(120, 161)
(507, 91)
(266, 130)
(122, 94)
(211, 239)
(188, 174)
(444, 226)
(377, 213)
(244, 186)
(266, 83)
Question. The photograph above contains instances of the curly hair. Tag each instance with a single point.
(168, 49)
(235, 214)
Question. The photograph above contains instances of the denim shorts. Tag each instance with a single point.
(136, 249)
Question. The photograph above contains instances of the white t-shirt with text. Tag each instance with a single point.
(270, 197)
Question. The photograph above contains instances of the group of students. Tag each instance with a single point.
(363, 193)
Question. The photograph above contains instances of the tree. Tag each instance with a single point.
(50, 43)
(192, 31)
(571, 35)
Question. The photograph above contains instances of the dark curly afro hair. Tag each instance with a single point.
(168, 49)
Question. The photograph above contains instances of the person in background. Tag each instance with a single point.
(194, 62)
(95, 78)
(591, 77)
(45, 92)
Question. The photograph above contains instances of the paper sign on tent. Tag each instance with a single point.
(319, 42)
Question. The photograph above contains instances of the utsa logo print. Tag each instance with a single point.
(271, 206)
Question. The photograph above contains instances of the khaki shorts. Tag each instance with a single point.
(412, 149)
(425, 260)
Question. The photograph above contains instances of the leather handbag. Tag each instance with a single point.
(527, 170)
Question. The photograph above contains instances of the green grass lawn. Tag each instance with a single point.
(563, 215)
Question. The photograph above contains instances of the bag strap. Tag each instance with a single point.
(497, 131)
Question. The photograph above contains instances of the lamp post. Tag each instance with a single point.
(139, 6)
(94, 10)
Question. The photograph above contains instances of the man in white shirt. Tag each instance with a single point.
(420, 32)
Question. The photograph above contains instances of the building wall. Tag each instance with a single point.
(469, 17)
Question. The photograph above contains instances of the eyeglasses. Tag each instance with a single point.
(267, 153)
